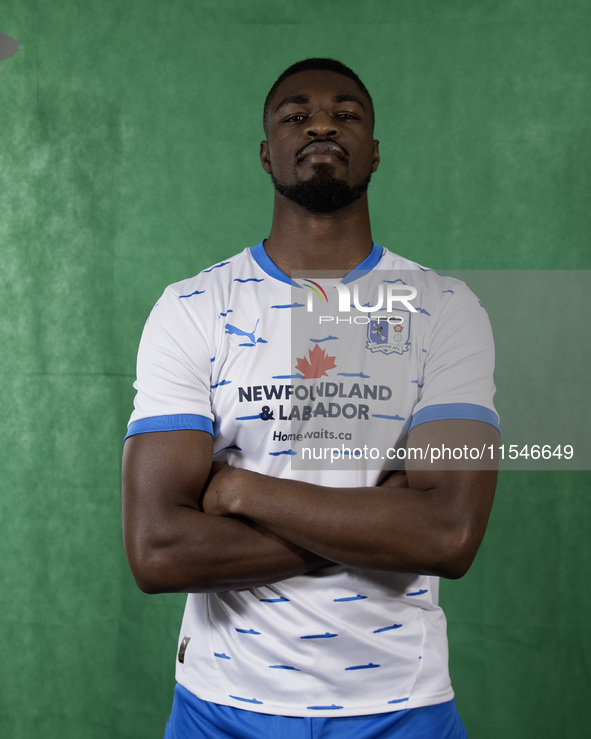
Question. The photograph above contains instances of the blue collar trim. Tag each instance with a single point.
(261, 257)
(265, 262)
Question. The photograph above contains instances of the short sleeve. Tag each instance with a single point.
(459, 364)
(173, 371)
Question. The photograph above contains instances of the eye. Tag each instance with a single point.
(347, 116)
(295, 118)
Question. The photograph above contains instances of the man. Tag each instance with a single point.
(312, 607)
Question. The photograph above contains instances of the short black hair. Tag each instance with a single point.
(331, 65)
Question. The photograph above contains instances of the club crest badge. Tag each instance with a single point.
(388, 336)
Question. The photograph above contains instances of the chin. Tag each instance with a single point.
(322, 192)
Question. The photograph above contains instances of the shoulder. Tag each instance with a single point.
(435, 287)
(220, 273)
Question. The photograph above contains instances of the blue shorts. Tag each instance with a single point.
(192, 718)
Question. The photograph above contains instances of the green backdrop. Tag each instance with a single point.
(129, 134)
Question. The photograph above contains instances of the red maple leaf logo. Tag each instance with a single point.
(317, 365)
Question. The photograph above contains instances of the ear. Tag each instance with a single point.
(264, 156)
(376, 155)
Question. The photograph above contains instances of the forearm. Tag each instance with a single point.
(361, 527)
(436, 530)
(196, 552)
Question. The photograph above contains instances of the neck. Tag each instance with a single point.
(300, 240)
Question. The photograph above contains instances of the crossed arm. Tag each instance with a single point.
(255, 529)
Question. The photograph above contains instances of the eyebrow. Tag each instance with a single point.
(348, 98)
(303, 99)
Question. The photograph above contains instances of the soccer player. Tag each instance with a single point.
(313, 590)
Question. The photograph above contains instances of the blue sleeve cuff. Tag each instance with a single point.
(446, 411)
(175, 422)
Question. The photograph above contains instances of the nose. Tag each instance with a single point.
(321, 124)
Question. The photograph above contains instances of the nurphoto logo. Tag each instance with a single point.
(387, 295)
(392, 295)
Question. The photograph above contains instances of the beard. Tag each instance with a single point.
(323, 192)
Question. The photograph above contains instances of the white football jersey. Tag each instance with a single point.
(292, 384)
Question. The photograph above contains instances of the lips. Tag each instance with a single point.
(322, 148)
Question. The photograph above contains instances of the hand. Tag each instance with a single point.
(395, 480)
(212, 500)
